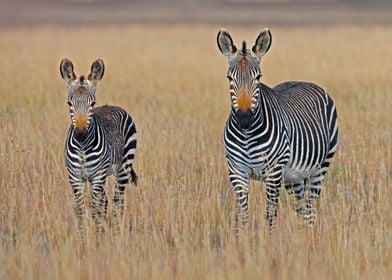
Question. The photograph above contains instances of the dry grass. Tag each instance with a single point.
(172, 81)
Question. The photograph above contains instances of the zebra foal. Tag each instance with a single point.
(284, 136)
(101, 141)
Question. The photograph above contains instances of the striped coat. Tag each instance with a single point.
(283, 136)
(101, 141)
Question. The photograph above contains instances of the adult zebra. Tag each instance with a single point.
(286, 135)
(100, 141)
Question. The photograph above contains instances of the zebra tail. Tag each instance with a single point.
(134, 177)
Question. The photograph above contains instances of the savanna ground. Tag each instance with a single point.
(179, 221)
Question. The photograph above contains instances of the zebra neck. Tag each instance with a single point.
(263, 113)
(256, 122)
(85, 138)
(266, 104)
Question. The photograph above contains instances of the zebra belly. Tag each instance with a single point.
(112, 168)
(290, 175)
(257, 173)
(293, 176)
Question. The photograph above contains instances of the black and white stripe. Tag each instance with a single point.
(104, 145)
(284, 136)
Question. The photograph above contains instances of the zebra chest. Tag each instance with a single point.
(87, 165)
(259, 167)
(256, 159)
(89, 162)
(255, 155)
(252, 161)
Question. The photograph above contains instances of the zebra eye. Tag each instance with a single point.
(229, 77)
(92, 104)
(258, 76)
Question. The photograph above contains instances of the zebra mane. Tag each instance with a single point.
(243, 50)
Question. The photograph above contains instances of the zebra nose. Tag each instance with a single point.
(244, 118)
(80, 134)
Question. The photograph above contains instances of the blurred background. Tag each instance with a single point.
(241, 12)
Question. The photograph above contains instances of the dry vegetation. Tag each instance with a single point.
(179, 220)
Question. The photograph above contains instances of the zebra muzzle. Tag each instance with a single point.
(81, 134)
(244, 118)
(81, 127)
(81, 122)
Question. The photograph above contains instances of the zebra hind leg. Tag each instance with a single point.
(297, 190)
(316, 179)
(312, 196)
(118, 207)
(123, 177)
(99, 205)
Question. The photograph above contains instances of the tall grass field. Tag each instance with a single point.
(179, 220)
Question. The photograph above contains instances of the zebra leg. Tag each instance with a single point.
(99, 204)
(240, 184)
(313, 193)
(273, 183)
(78, 189)
(122, 179)
(123, 176)
(118, 207)
(297, 190)
(310, 210)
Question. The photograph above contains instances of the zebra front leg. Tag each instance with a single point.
(78, 189)
(273, 183)
(99, 204)
(240, 183)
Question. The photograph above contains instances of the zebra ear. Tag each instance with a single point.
(263, 43)
(225, 43)
(97, 71)
(67, 71)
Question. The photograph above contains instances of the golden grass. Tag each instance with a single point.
(179, 220)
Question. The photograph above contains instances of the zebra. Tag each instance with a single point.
(283, 136)
(101, 141)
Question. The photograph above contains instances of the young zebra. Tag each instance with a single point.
(100, 141)
(286, 135)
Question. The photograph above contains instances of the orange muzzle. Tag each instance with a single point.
(81, 122)
(244, 101)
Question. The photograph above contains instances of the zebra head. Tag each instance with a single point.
(244, 73)
(81, 93)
